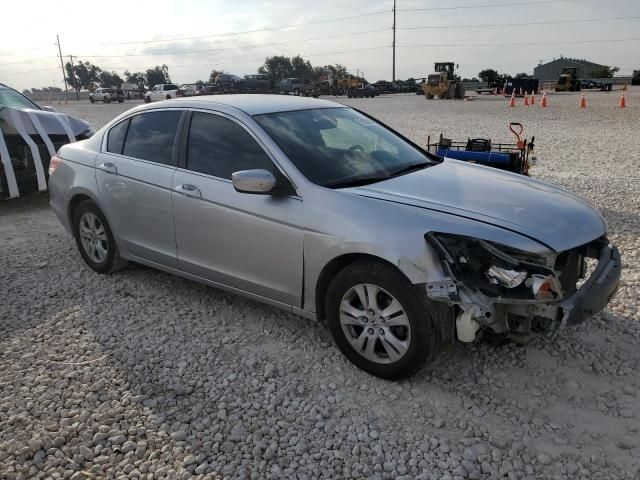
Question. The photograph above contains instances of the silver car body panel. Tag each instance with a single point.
(275, 249)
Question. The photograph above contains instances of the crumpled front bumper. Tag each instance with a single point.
(596, 292)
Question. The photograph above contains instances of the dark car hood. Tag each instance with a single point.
(542, 211)
(50, 121)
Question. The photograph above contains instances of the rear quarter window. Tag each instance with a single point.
(116, 136)
(151, 136)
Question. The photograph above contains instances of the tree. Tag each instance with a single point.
(82, 75)
(489, 75)
(110, 79)
(301, 68)
(605, 72)
(157, 75)
(137, 78)
(276, 68)
(214, 74)
(521, 75)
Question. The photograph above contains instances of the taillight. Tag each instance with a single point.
(54, 163)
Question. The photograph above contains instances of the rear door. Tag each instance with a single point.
(134, 174)
(249, 242)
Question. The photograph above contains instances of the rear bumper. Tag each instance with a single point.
(596, 292)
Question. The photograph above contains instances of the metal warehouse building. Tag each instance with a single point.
(553, 69)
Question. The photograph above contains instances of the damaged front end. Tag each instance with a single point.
(510, 291)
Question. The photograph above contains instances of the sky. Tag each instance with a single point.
(193, 37)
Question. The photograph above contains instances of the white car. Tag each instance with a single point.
(106, 95)
(165, 91)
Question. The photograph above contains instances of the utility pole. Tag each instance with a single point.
(74, 77)
(393, 74)
(64, 77)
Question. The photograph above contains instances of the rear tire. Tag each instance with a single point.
(395, 334)
(296, 92)
(92, 100)
(168, 97)
(94, 239)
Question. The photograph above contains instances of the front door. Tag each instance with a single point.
(249, 242)
(134, 175)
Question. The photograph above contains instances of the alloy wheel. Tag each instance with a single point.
(375, 323)
(93, 237)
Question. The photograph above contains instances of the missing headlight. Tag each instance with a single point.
(495, 270)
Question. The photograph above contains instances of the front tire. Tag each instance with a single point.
(380, 321)
(94, 239)
(147, 99)
(91, 99)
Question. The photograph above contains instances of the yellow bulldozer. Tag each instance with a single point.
(444, 83)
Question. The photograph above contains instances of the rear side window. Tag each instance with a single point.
(218, 146)
(115, 139)
(151, 136)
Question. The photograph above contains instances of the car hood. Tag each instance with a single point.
(51, 121)
(544, 212)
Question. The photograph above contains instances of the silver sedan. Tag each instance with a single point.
(325, 212)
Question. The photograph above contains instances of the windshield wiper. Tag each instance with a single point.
(410, 168)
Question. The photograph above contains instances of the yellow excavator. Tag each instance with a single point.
(444, 83)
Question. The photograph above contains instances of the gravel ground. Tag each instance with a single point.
(145, 375)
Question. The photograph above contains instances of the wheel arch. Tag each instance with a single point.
(335, 266)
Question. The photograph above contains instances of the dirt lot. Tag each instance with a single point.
(145, 375)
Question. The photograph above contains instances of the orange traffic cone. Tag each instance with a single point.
(623, 102)
(526, 99)
(512, 102)
(583, 101)
(543, 102)
(532, 100)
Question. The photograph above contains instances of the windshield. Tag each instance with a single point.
(11, 98)
(339, 147)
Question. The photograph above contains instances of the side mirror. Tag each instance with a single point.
(49, 108)
(258, 181)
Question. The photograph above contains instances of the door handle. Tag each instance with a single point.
(108, 167)
(189, 190)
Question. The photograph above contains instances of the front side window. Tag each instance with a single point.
(218, 146)
(339, 147)
(151, 136)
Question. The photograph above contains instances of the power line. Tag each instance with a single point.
(523, 44)
(29, 71)
(209, 50)
(209, 64)
(489, 5)
(547, 22)
(266, 29)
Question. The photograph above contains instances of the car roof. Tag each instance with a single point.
(251, 104)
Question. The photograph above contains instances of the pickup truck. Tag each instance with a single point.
(106, 95)
(228, 83)
(296, 86)
(255, 84)
(164, 91)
